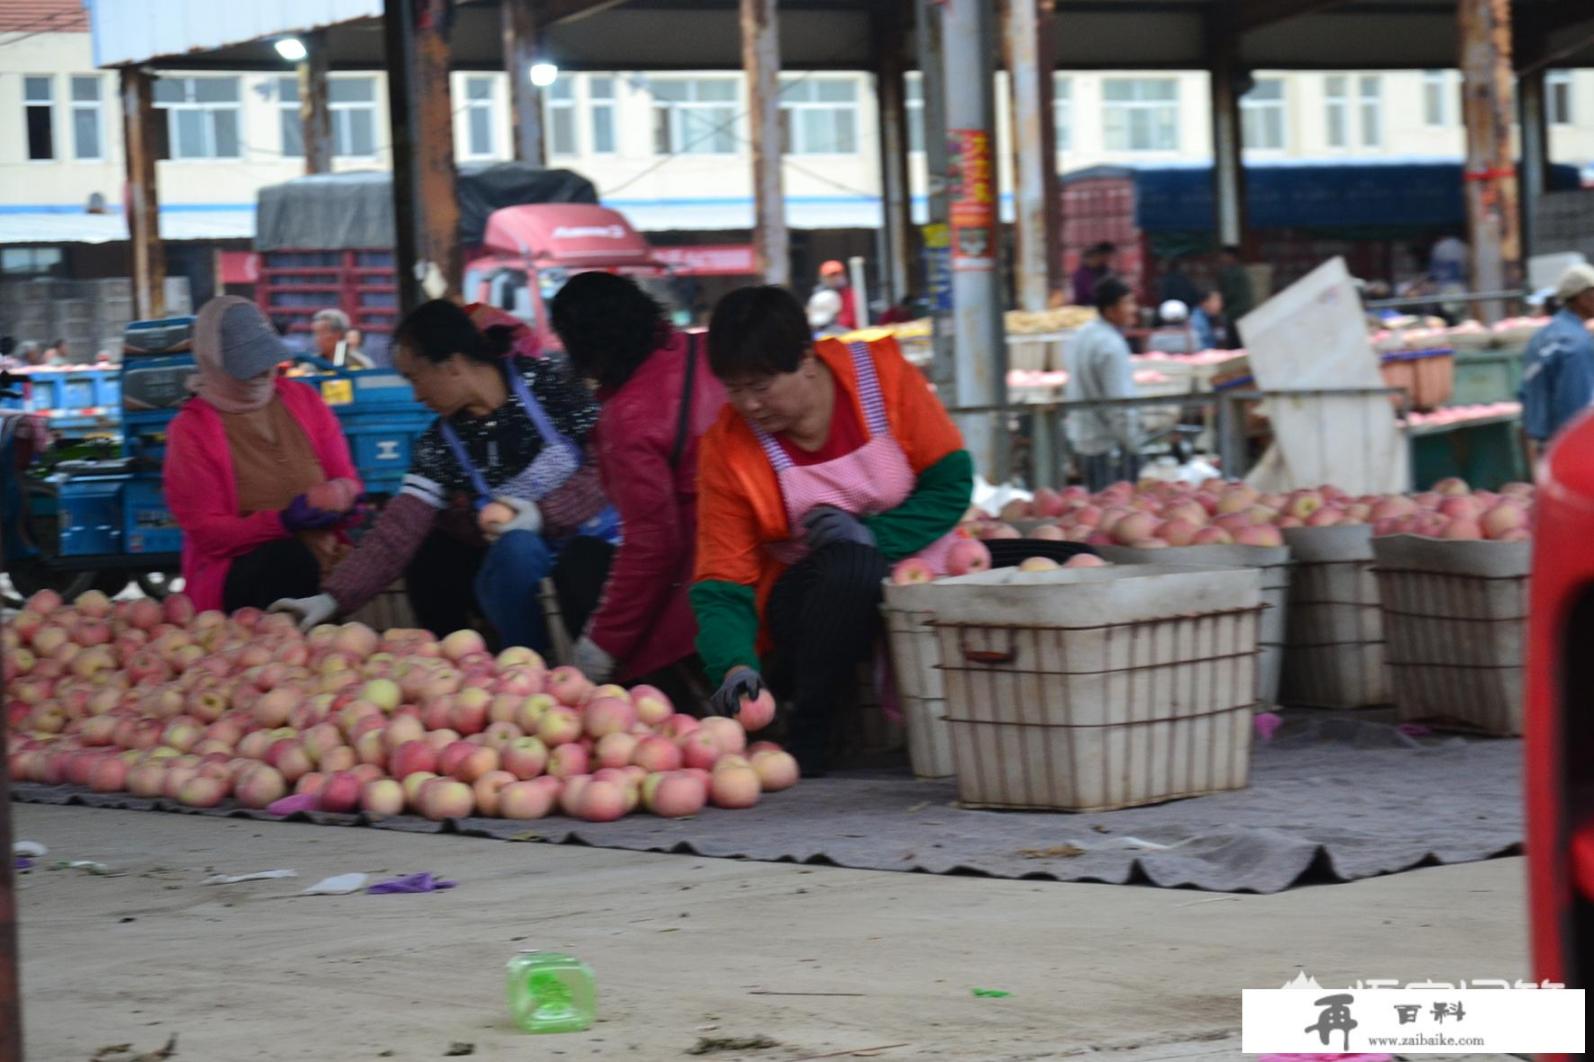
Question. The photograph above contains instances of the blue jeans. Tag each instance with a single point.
(509, 583)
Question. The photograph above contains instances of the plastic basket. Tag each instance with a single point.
(1334, 631)
(387, 610)
(1272, 562)
(1427, 376)
(1455, 614)
(1099, 688)
(916, 660)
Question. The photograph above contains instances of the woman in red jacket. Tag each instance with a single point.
(243, 458)
(658, 398)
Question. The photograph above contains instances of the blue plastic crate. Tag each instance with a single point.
(381, 442)
(89, 513)
(148, 524)
(73, 389)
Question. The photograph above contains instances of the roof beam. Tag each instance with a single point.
(1255, 14)
(557, 11)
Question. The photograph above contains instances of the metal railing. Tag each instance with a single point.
(1209, 422)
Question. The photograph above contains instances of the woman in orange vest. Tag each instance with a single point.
(831, 462)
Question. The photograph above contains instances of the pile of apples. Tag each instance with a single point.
(150, 698)
(1159, 514)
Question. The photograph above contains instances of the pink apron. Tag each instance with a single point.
(874, 478)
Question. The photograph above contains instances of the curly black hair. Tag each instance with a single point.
(608, 326)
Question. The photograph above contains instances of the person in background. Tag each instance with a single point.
(58, 353)
(510, 430)
(1449, 263)
(1175, 335)
(1095, 266)
(1234, 284)
(243, 460)
(833, 307)
(1558, 364)
(1104, 439)
(335, 340)
(658, 397)
(1176, 285)
(1206, 321)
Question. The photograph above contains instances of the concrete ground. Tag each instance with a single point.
(824, 963)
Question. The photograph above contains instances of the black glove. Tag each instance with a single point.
(740, 682)
(826, 524)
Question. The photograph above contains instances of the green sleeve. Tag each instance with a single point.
(938, 502)
(727, 626)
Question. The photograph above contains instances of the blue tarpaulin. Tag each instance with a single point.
(1312, 195)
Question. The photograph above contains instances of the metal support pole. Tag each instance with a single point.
(936, 236)
(1488, 108)
(315, 113)
(10, 956)
(525, 99)
(891, 94)
(143, 198)
(1228, 161)
(420, 108)
(1535, 121)
(1038, 208)
(981, 360)
(761, 62)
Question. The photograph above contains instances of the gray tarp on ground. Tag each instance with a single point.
(1331, 800)
(354, 211)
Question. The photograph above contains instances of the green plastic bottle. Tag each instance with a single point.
(551, 993)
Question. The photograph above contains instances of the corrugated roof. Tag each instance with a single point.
(43, 16)
(47, 228)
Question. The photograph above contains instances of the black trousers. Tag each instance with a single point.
(824, 617)
(441, 575)
(281, 568)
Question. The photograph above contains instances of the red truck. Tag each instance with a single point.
(326, 242)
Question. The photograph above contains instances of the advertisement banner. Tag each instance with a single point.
(971, 194)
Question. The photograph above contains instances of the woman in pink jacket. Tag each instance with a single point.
(657, 397)
(244, 458)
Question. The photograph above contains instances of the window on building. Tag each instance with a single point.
(38, 107)
(913, 104)
(88, 139)
(559, 112)
(353, 102)
(1141, 114)
(1558, 96)
(30, 261)
(694, 116)
(1063, 110)
(819, 115)
(1336, 115)
(1436, 98)
(1370, 92)
(202, 116)
(480, 143)
(601, 109)
(1262, 115)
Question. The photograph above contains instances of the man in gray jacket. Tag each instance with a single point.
(1104, 438)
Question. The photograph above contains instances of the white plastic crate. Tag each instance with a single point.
(1098, 688)
(916, 662)
(1456, 618)
(1274, 564)
(1334, 631)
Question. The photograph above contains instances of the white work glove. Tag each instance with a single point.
(310, 611)
(592, 661)
(527, 518)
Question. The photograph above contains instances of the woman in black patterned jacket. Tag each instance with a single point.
(502, 490)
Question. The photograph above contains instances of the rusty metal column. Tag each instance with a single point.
(891, 94)
(1037, 207)
(1488, 107)
(935, 235)
(142, 199)
(761, 62)
(525, 99)
(981, 355)
(315, 115)
(1228, 158)
(420, 109)
(1535, 120)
